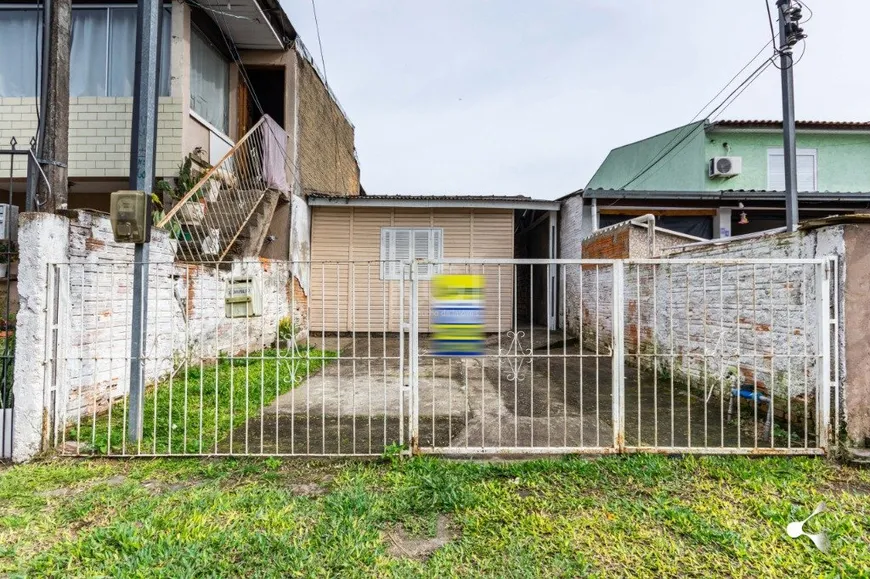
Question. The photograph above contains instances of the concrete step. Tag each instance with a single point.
(859, 457)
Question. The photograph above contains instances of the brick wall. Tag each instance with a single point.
(327, 157)
(699, 321)
(186, 312)
(99, 134)
(592, 285)
(760, 319)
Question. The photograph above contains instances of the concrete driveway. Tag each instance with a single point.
(541, 391)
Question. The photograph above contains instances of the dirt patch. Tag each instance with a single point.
(852, 487)
(310, 490)
(403, 546)
(74, 490)
(158, 486)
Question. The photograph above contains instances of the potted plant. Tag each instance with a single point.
(192, 212)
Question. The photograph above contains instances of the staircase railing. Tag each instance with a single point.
(210, 217)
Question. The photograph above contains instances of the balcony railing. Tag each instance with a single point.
(209, 221)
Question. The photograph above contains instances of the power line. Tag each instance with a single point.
(770, 21)
(234, 53)
(750, 80)
(319, 42)
(721, 107)
(702, 109)
(221, 12)
(810, 10)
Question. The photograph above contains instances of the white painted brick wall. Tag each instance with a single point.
(771, 331)
(703, 320)
(99, 134)
(186, 315)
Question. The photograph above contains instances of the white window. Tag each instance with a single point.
(21, 35)
(400, 245)
(101, 56)
(807, 169)
(209, 82)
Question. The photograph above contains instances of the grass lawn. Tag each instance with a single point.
(201, 404)
(637, 516)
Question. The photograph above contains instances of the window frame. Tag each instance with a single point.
(221, 131)
(107, 7)
(390, 269)
(814, 153)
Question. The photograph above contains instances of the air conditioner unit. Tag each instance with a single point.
(725, 166)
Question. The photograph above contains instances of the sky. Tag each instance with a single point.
(528, 96)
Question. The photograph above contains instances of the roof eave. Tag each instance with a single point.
(428, 202)
(863, 196)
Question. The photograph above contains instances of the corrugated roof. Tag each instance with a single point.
(320, 195)
(834, 220)
(494, 201)
(775, 124)
(727, 194)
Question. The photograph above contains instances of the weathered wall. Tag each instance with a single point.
(592, 285)
(44, 239)
(855, 322)
(185, 312)
(327, 156)
(702, 320)
(768, 324)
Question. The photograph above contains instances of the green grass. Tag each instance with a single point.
(201, 404)
(637, 516)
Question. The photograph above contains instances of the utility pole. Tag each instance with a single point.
(789, 34)
(33, 173)
(142, 173)
(54, 148)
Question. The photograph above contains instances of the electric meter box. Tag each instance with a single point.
(8, 222)
(128, 211)
(243, 299)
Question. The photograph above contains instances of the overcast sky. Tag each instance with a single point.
(527, 97)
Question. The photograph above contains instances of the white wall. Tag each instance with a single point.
(88, 364)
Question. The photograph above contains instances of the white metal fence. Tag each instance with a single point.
(585, 356)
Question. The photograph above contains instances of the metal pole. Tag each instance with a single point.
(789, 145)
(142, 173)
(32, 169)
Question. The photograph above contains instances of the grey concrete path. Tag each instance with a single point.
(542, 392)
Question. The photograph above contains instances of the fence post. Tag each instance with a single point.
(43, 239)
(413, 360)
(618, 355)
(823, 364)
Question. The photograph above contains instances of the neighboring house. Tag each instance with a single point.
(357, 242)
(726, 178)
(221, 63)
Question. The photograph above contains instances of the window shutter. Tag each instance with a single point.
(402, 254)
(435, 250)
(775, 171)
(421, 250)
(806, 172)
(386, 250)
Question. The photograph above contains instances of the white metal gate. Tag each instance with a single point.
(579, 356)
(672, 356)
